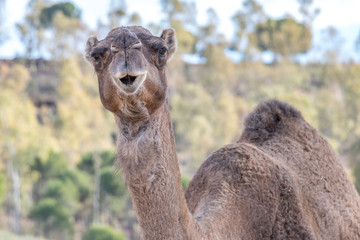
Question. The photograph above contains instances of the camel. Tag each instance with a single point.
(280, 180)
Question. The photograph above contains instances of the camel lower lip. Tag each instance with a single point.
(128, 80)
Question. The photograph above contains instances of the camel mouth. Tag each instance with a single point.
(128, 80)
(130, 84)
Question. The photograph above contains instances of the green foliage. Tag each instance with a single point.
(102, 232)
(179, 14)
(30, 30)
(185, 40)
(79, 180)
(10, 236)
(174, 8)
(226, 105)
(111, 183)
(245, 21)
(66, 8)
(58, 190)
(65, 193)
(185, 182)
(52, 217)
(87, 162)
(191, 122)
(284, 36)
(52, 165)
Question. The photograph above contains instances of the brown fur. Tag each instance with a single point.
(281, 180)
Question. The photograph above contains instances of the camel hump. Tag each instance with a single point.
(268, 118)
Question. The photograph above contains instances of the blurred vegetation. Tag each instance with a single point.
(57, 142)
(98, 232)
(10, 236)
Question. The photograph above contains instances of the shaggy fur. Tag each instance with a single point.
(281, 180)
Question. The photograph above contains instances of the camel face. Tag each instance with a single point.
(128, 67)
(130, 62)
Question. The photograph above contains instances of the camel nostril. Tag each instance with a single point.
(128, 80)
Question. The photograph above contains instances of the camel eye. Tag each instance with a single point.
(97, 56)
(162, 51)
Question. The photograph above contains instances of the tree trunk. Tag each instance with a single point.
(13, 173)
(17, 201)
(96, 197)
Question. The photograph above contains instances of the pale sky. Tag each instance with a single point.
(342, 14)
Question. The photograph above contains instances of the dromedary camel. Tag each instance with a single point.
(280, 180)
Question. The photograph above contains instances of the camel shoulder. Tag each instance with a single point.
(249, 182)
(235, 166)
(241, 161)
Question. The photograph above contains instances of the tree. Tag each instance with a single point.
(330, 46)
(69, 34)
(193, 132)
(47, 14)
(209, 33)
(351, 127)
(31, 30)
(284, 37)
(52, 30)
(218, 68)
(226, 128)
(57, 181)
(19, 134)
(105, 183)
(52, 218)
(179, 10)
(245, 22)
(117, 13)
(76, 96)
(308, 14)
(46, 168)
(62, 21)
(111, 184)
(64, 192)
(181, 15)
(135, 19)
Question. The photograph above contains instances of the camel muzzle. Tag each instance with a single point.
(128, 80)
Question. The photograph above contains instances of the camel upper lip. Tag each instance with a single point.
(128, 79)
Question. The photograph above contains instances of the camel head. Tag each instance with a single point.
(130, 64)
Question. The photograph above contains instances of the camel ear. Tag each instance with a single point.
(170, 39)
(90, 43)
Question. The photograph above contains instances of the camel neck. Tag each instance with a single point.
(150, 167)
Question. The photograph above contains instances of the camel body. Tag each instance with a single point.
(280, 180)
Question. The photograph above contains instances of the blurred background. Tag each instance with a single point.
(57, 142)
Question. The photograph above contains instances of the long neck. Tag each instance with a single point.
(147, 156)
